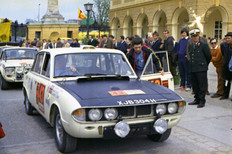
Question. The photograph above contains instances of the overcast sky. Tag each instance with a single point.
(28, 9)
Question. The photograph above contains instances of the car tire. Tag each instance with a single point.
(28, 107)
(4, 84)
(64, 142)
(160, 137)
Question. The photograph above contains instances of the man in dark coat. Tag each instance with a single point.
(59, 44)
(122, 45)
(200, 57)
(138, 56)
(226, 49)
(92, 41)
(156, 42)
(76, 43)
(106, 43)
(169, 47)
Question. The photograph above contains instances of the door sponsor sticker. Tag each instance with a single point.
(40, 89)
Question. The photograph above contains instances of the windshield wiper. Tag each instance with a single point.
(59, 76)
(102, 77)
(94, 74)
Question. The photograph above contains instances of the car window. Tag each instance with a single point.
(11, 54)
(46, 66)
(39, 63)
(150, 67)
(81, 64)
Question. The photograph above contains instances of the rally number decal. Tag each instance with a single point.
(40, 89)
(165, 83)
(159, 82)
(156, 81)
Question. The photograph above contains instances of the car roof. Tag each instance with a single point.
(83, 49)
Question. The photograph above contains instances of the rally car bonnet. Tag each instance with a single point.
(112, 93)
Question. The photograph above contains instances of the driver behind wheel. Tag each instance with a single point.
(61, 69)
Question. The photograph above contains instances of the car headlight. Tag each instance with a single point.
(19, 70)
(172, 108)
(161, 109)
(95, 114)
(79, 114)
(110, 114)
(9, 70)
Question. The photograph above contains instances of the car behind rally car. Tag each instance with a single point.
(94, 93)
(14, 63)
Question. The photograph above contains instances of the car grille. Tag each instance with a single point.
(130, 112)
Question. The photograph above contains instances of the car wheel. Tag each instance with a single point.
(160, 137)
(28, 107)
(64, 142)
(4, 84)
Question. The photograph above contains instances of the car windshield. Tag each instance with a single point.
(90, 64)
(20, 54)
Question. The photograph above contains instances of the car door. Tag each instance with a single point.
(33, 77)
(41, 85)
(151, 74)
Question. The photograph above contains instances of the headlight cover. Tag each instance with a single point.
(160, 126)
(95, 114)
(161, 109)
(19, 70)
(122, 129)
(172, 108)
(110, 113)
(79, 115)
(9, 70)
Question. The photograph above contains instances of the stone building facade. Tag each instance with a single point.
(52, 26)
(53, 30)
(130, 17)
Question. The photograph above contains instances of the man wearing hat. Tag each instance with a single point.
(226, 48)
(199, 54)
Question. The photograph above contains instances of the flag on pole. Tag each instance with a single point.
(81, 15)
(5, 30)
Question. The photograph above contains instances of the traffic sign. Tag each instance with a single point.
(84, 21)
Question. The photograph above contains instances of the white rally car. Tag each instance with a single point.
(94, 93)
(14, 63)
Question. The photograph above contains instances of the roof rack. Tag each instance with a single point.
(85, 47)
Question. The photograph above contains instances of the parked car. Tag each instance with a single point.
(94, 93)
(14, 63)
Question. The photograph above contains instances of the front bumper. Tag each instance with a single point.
(139, 126)
(16, 78)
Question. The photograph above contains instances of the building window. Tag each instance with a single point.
(218, 30)
(38, 35)
(70, 34)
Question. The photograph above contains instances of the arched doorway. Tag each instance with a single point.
(215, 24)
(115, 27)
(142, 25)
(54, 36)
(180, 20)
(128, 26)
(159, 22)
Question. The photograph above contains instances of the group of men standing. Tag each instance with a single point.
(192, 55)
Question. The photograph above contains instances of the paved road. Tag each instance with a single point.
(206, 130)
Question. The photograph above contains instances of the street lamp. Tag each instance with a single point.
(88, 8)
(16, 25)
